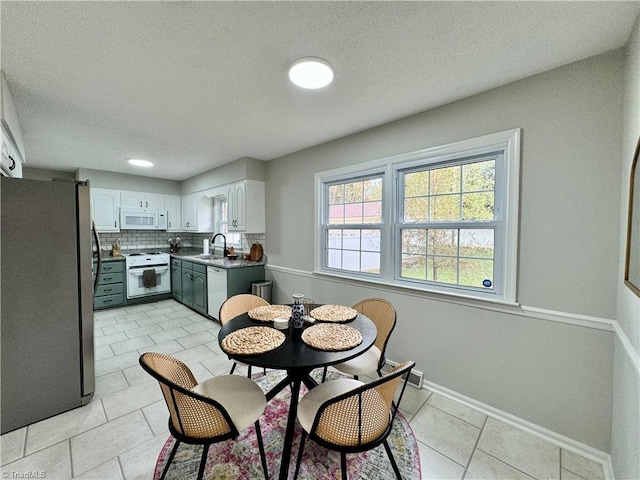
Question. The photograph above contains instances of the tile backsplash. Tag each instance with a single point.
(137, 239)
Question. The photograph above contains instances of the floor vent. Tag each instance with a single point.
(415, 377)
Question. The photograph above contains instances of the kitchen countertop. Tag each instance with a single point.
(196, 256)
(192, 255)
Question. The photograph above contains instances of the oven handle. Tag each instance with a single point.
(139, 271)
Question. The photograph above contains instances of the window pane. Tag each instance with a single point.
(334, 258)
(373, 212)
(443, 242)
(445, 208)
(353, 192)
(336, 194)
(479, 176)
(442, 269)
(476, 273)
(414, 241)
(413, 266)
(336, 214)
(335, 239)
(370, 240)
(476, 243)
(370, 262)
(416, 209)
(373, 190)
(353, 213)
(351, 260)
(416, 184)
(351, 239)
(477, 206)
(444, 180)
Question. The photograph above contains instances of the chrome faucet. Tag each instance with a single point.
(225, 251)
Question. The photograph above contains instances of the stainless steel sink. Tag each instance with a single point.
(209, 257)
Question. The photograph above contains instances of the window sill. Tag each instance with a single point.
(459, 298)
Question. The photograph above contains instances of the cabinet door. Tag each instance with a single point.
(187, 286)
(11, 160)
(174, 213)
(189, 213)
(105, 209)
(199, 293)
(176, 280)
(154, 200)
(132, 199)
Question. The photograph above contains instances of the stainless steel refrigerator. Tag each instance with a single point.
(46, 310)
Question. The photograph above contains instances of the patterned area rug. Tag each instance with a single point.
(240, 458)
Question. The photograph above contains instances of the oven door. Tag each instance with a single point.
(140, 284)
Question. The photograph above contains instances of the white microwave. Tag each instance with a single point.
(142, 219)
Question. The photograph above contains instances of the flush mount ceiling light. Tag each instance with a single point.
(311, 73)
(140, 163)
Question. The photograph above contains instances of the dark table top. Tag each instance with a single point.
(294, 353)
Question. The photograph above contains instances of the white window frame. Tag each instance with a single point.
(506, 143)
(222, 225)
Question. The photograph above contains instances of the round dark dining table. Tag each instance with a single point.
(299, 360)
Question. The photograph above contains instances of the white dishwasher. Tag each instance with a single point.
(216, 289)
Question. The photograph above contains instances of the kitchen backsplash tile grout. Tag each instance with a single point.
(137, 239)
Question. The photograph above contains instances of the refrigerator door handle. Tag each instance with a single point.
(99, 266)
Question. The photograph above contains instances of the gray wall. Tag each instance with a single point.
(625, 432)
(243, 168)
(552, 374)
(42, 174)
(121, 181)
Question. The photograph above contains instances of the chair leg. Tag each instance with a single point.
(324, 374)
(343, 465)
(394, 465)
(233, 367)
(249, 371)
(263, 457)
(203, 462)
(300, 450)
(171, 455)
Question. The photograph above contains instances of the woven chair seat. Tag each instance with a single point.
(242, 398)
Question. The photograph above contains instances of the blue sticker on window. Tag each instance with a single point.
(487, 283)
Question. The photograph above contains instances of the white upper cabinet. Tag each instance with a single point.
(105, 209)
(245, 204)
(197, 213)
(9, 118)
(142, 200)
(11, 159)
(174, 213)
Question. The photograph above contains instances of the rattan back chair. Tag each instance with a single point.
(237, 305)
(383, 315)
(348, 416)
(204, 413)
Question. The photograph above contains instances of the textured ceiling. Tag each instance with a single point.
(194, 85)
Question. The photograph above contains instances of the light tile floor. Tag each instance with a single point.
(120, 433)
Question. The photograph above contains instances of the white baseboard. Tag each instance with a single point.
(550, 436)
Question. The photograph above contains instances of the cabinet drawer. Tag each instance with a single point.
(112, 267)
(106, 278)
(199, 268)
(176, 263)
(109, 289)
(108, 301)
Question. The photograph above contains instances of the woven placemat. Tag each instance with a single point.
(267, 313)
(333, 313)
(331, 337)
(252, 340)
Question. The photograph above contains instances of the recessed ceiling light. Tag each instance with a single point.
(140, 163)
(311, 72)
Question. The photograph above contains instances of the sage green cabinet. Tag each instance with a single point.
(189, 284)
(176, 279)
(111, 288)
